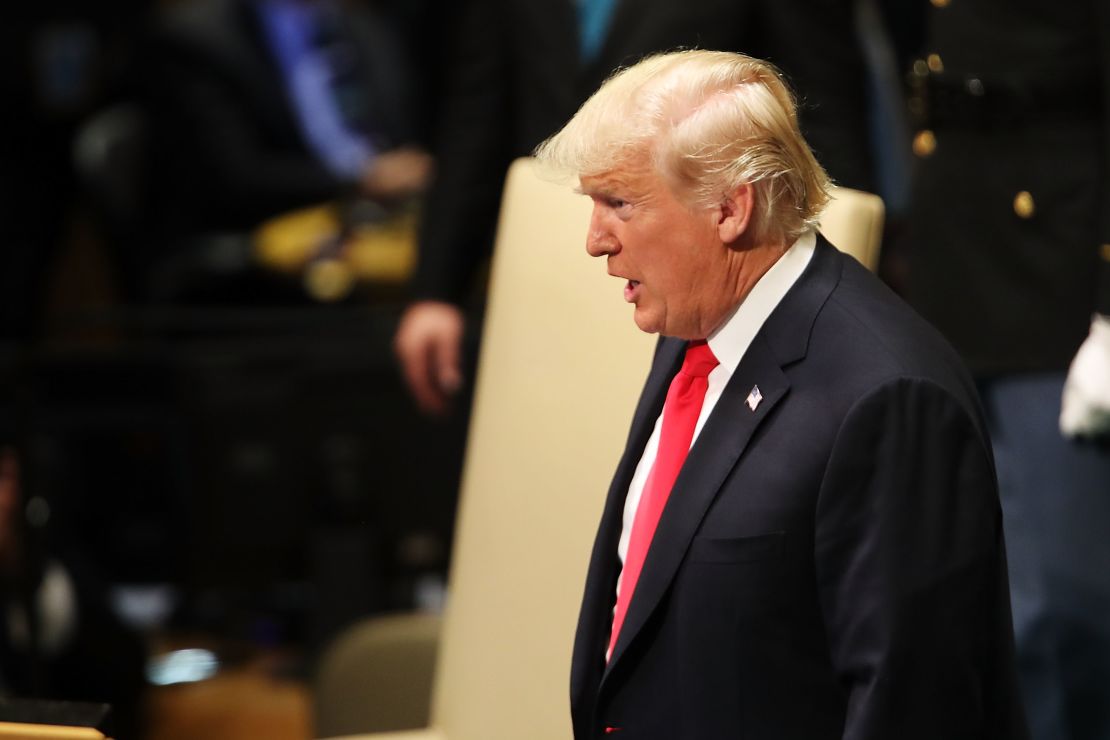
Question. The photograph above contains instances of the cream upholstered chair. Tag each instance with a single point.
(560, 369)
(377, 675)
(561, 366)
(853, 223)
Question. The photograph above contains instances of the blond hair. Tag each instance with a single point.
(710, 121)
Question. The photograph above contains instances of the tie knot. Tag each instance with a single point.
(700, 360)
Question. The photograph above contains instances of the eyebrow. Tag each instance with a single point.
(595, 192)
(600, 191)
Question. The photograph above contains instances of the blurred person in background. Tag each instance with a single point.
(60, 61)
(58, 637)
(517, 71)
(260, 107)
(1009, 247)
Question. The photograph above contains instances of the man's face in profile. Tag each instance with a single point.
(670, 254)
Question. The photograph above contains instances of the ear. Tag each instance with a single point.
(735, 213)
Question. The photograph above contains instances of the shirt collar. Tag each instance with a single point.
(731, 339)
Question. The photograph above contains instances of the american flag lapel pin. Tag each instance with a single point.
(754, 398)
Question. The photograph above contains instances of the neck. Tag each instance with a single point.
(746, 268)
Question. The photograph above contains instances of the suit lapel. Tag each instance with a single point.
(725, 437)
(596, 613)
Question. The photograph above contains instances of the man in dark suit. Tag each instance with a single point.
(1009, 236)
(803, 538)
(520, 69)
(260, 107)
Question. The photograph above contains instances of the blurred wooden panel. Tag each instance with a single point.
(238, 704)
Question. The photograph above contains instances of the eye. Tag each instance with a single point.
(619, 206)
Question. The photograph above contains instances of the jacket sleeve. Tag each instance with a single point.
(911, 571)
(814, 43)
(472, 157)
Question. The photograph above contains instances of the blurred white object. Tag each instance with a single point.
(55, 608)
(143, 606)
(182, 666)
(1085, 410)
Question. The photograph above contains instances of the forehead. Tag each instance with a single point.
(635, 177)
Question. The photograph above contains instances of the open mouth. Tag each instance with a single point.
(631, 290)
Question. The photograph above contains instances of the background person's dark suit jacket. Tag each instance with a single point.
(229, 152)
(1017, 100)
(514, 78)
(830, 565)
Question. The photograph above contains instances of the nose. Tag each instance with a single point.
(599, 239)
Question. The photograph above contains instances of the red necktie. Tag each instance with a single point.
(680, 416)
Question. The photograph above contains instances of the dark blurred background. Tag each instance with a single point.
(221, 450)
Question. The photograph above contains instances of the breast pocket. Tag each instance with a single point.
(738, 549)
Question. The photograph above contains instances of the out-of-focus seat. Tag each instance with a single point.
(396, 681)
(853, 223)
(560, 369)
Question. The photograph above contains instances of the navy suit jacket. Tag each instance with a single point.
(829, 565)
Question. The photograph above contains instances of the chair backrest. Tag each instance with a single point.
(560, 369)
(384, 663)
(853, 223)
(561, 366)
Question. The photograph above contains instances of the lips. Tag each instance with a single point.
(631, 290)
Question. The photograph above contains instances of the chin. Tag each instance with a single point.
(647, 324)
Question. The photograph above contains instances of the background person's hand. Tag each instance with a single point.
(428, 344)
(397, 174)
(1085, 407)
